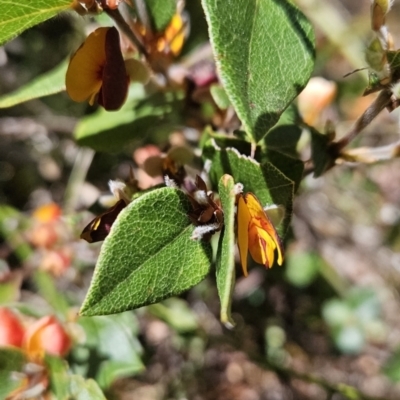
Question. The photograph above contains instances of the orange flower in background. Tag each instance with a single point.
(11, 329)
(173, 38)
(315, 98)
(256, 233)
(48, 212)
(46, 335)
(97, 70)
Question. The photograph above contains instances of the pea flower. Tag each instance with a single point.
(256, 233)
(97, 70)
(99, 228)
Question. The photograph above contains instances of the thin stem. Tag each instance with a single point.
(381, 102)
(77, 177)
(125, 28)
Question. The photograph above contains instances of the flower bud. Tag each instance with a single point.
(47, 335)
(11, 329)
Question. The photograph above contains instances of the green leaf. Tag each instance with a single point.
(148, 256)
(44, 85)
(219, 96)
(284, 139)
(10, 290)
(49, 292)
(59, 376)
(302, 268)
(176, 313)
(264, 180)
(15, 17)
(392, 367)
(82, 389)
(114, 369)
(11, 227)
(160, 13)
(320, 152)
(225, 265)
(265, 55)
(114, 339)
(139, 117)
(291, 167)
(11, 361)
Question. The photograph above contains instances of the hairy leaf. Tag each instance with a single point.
(148, 256)
(265, 54)
(17, 16)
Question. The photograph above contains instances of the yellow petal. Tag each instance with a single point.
(261, 246)
(84, 75)
(243, 221)
(174, 36)
(263, 235)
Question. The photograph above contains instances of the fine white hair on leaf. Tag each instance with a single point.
(238, 188)
(200, 231)
(201, 197)
(170, 182)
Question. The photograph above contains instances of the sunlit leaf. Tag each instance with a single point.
(260, 75)
(17, 16)
(225, 265)
(148, 256)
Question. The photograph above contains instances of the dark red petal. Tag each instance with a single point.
(114, 89)
(99, 228)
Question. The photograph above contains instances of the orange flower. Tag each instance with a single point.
(46, 335)
(256, 233)
(98, 69)
(11, 329)
(173, 38)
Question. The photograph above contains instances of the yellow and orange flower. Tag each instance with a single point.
(256, 233)
(97, 70)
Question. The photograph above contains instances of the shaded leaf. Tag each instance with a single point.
(320, 152)
(392, 367)
(291, 167)
(284, 138)
(148, 255)
(176, 313)
(11, 361)
(139, 117)
(264, 180)
(47, 289)
(302, 268)
(16, 17)
(219, 96)
(113, 340)
(225, 264)
(59, 376)
(12, 223)
(160, 13)
(46, 84)
(260, 76)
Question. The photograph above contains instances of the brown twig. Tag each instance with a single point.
(125, 28)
